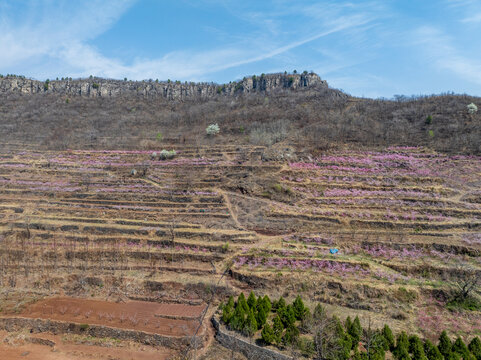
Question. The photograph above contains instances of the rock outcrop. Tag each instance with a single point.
(97, 87)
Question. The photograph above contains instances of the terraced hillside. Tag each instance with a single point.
(121, 244)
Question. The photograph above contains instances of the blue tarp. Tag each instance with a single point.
(333, 251)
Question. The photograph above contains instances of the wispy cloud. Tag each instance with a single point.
(63, 37)
(439, 48)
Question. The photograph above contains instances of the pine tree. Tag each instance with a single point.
(237, 321)
(388, 338)
(280, 305)
(267, 304)
(261, 317)
(241, 300)
(299, 308)
(228, 311)
(250, 325)
(416, 348)
(268, 334)
(348, 323)
(431, 351)
(287, 316)
(319, 313)
(460, 348)
(355, 330)
(291, 335)
(344, 340)
(278, 328)
(252, 301)
(475, 347)
(401, 351)
(445, 345)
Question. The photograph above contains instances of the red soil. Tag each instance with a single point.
(165, 319)
(68, 351)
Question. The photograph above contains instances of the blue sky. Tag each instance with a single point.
(372, 48)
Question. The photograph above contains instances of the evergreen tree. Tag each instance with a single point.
(431, 351)
(261, 317)
(445, 345)
(355, 330)
(268, 334)
(287, 316)
(348, 324)
(237, 321)
(277, 328)
(291, 335)
(475, 347)
(241, 300)
(299, 308)
(460, 348)
(319, 313)
(228, 311)
(252, 301)
(388, 338)
(250, 325)
(416, 348)
(344, 340)
(280, 305)
(401, 351)
(267, 304)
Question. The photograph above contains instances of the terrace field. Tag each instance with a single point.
(104, 244)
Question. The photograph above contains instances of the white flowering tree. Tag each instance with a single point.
(212, 129)
(472, 108)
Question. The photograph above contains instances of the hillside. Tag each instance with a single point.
(299, 109)
(124, 226)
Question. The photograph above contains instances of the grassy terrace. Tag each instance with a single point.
(406, 223)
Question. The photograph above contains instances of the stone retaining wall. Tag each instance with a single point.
(59, 327)
(251, 351)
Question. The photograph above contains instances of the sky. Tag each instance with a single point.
(369, 48)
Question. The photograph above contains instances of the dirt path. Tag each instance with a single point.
(229, 206)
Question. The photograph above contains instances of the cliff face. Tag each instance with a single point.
(96, 87)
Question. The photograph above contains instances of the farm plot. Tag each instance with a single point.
(115, 225)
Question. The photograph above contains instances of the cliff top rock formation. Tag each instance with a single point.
(98, 87)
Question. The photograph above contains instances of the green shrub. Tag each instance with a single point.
(95, 85)
(428, 120)
(167, 155)
(225, 247)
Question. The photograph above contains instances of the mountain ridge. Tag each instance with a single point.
(172, 90)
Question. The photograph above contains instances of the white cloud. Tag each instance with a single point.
(476, 18)
(439, 49)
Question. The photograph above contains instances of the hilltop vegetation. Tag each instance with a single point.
(310, 116)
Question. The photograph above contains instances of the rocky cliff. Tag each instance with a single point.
(97, 87)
